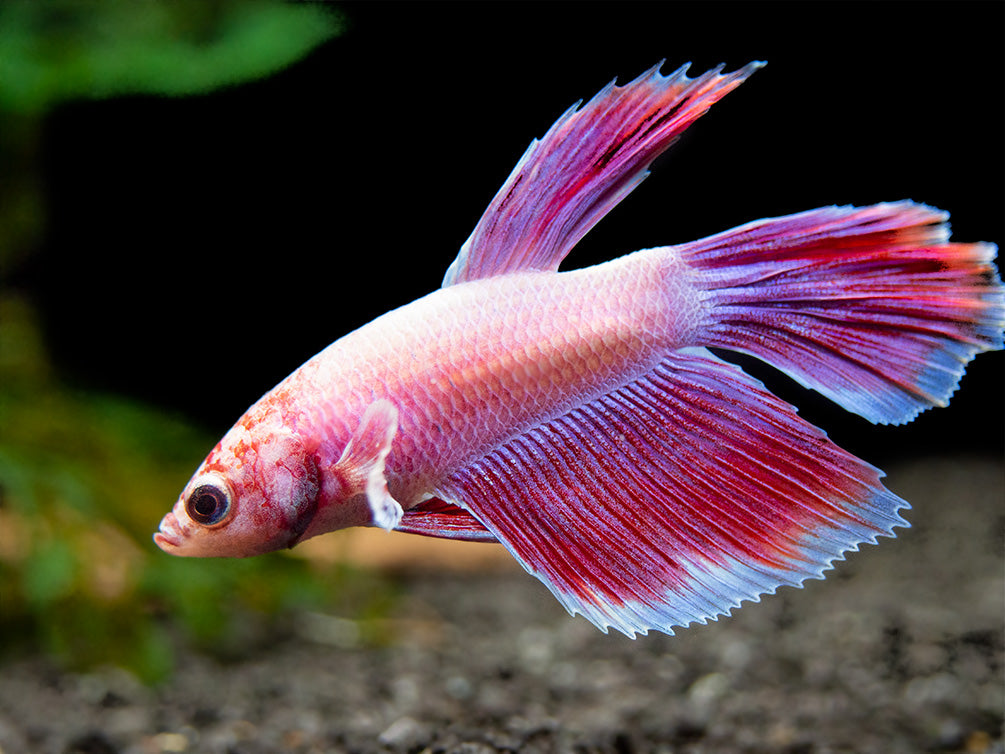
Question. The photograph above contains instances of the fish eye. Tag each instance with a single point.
(208, 504)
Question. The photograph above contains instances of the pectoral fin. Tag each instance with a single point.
(362, 462)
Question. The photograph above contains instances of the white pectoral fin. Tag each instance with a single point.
(386, 510)
(362, 462)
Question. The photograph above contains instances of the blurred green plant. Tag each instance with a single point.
(69, 49)
(84, 478)
(60, 50)
(83, 481)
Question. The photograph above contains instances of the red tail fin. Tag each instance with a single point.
(871, 306)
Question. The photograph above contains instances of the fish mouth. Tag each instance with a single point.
(169, 536)
(165, 542)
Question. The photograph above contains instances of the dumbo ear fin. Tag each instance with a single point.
(362, 462)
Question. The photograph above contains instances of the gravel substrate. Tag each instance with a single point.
(900, 650)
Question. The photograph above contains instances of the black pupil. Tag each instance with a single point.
(207, 504)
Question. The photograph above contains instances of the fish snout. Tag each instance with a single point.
(170, 535)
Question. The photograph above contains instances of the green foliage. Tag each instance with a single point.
(63, 49)
(84, 480)
(52, 51)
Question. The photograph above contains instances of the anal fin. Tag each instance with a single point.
(675, 498)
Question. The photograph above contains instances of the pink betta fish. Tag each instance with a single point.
(579, 417)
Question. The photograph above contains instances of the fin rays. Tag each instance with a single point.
(438, 518)
(871, 306)
(586, 163)
(675, 498)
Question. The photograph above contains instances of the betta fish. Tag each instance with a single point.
(581, 418)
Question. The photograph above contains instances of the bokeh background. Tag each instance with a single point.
(197, 197)
(195, 249)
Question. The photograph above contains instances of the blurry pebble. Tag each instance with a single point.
(736, 654)
(934, 689)
(925, 657)
(458, 687)
(530, 726)
(405, 691)
(329, 630)
(669, 667)
(244, 730)
(535, 649)
(564, 676)
(169, 743)
(227, 736)
(703, 695)
(294, 739)
(405, 733)
(110, 687)
(473, 747)
(950, 734)
(504, 741)
(708, 688)
(128, 722)
(978, 742)
(781, 735)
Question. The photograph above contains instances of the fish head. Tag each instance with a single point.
(256, 492)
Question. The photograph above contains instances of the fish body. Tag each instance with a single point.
(579, 418)
(482, 373)
(464, 376)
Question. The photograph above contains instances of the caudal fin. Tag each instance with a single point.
(871, 306)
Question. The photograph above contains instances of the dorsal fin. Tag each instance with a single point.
(589, 160)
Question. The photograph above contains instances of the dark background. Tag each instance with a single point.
(200, 249)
